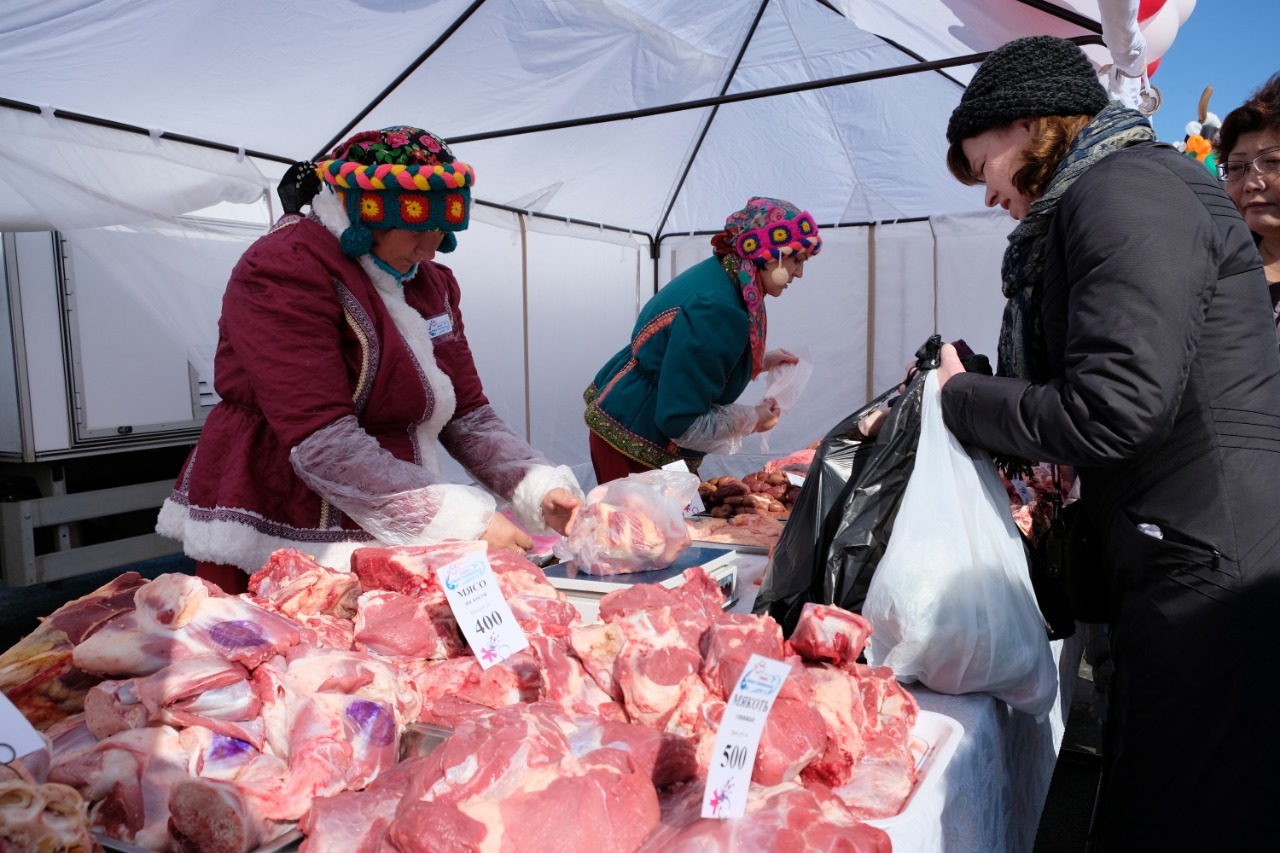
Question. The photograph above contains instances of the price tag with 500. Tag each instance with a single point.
(486, 620)
(739, 737)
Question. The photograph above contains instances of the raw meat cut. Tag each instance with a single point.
(294, 584)
(206, 691)
(37, 674)
(355, 821)
(512, 781)
(393, 623)
(178, 617)
(782, 819)
(829, 634)
(128, 778)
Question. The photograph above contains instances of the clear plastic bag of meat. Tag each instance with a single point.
(635, 524)
(951, 604)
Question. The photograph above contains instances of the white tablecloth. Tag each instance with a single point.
(992, 792)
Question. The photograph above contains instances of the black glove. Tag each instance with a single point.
(973, 362)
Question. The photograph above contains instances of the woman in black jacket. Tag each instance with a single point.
(1137, 347)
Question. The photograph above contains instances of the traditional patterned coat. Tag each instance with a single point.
(689, 351)
(317, 353)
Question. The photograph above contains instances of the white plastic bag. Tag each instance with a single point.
(951, 603)
(635, 524)
(784, 385)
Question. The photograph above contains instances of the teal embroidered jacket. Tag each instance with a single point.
(689, 351)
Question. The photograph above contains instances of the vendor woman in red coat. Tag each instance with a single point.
(343, 367)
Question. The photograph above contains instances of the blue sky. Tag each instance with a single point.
(1231, 45)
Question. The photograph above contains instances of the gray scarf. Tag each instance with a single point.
(1021, 349)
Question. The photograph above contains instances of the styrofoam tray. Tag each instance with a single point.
(934, 739)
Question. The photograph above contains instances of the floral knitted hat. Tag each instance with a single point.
(398, 177)
(767, 229)
(764, 230)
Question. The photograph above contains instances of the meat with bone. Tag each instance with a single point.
(740, 635)
(230, 804)
(294, 584)
(795, 733)
(829, 634)
(838, 699)
(355, 821)
(780, 819)
(178, 617)
(128, 778)
(566, 682)
(885, 772)
(512, 781)
(412, 569)
(37, 674)
(206, 691)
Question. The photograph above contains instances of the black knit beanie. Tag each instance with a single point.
(1025, 78)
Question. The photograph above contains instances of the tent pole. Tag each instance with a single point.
(142, 131)
(404, 75)
(711, 117)
(736, 97)
(871, 308)
(524, 296)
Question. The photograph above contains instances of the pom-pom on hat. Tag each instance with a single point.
(1027, 78)
(767, 229)
(398, 177)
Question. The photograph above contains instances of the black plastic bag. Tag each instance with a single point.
(842, 519)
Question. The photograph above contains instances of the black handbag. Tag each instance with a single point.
(1073, 560)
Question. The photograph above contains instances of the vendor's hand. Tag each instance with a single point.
(949, 366)
(502, 533)
(767, 413)
(776, 357)
(559, 509)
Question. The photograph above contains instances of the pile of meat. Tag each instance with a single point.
(758, 493)
(45, 817)
(755, 531)
(218, 723)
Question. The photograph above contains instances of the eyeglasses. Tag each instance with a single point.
(1266, 163)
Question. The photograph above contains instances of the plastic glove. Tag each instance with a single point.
(506, 465)
(720, 430)
(394, 500)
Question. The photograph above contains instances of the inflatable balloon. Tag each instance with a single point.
(1185, 8)
(1159, 31)
(1148, 8)
(1151, 68)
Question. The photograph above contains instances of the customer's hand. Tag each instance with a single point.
(950, 365)
(501, 533)
(767, 413)
(559, 508)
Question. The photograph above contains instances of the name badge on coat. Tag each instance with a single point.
(439, 325)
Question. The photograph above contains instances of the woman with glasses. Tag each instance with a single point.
(1135, 348)
(1249, 164)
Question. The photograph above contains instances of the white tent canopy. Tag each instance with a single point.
(604, 134)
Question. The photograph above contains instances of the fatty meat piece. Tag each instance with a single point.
(37, 674)
(355, 821)
(512, 781)
(294, 584)
(828, 634)
(177, 617)
(780, 819)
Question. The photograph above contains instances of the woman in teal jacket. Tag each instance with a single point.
(669, 394)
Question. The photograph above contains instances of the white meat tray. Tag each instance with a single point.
(934, 739)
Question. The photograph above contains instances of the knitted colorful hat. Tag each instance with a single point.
(767, 229)
(1027, 78)
(398, 177)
